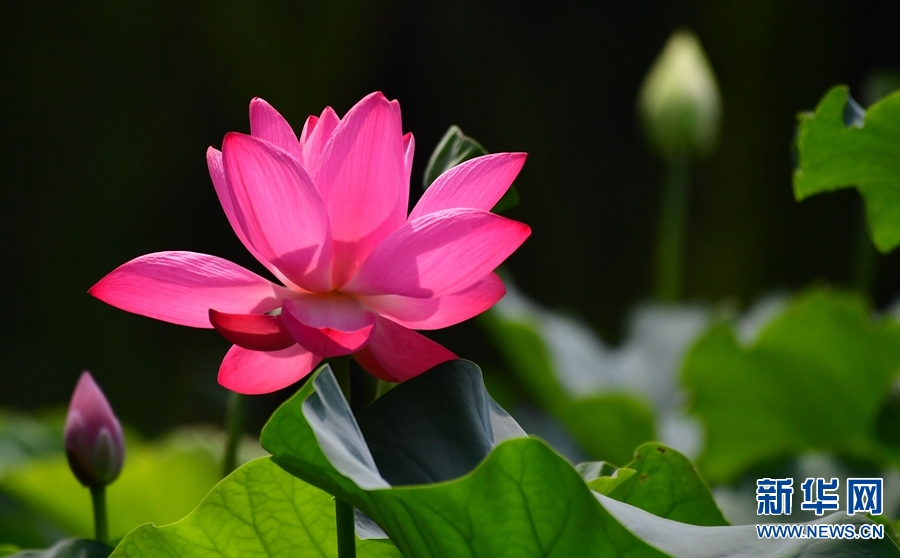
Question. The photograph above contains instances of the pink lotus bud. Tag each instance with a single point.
(94, 441)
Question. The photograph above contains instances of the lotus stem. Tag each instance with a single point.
(345, 520)
(340, 366)
(671, 240)
(101, 526)
(344, 516)
(234, 428)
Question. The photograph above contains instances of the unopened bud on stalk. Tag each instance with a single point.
(94, 441)
(679, 102)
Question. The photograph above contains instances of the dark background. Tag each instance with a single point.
(108, 108)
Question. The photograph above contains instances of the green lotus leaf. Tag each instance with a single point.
(841, 145)
(663, 482)
(521, 500)
(257, 511)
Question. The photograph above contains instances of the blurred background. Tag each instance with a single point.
(108, 108)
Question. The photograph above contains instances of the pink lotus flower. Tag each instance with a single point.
(325, 213)
(95, 445)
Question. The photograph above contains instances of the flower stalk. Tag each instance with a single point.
(670, 249)
(234, 427)
(344, 516)
(345, 520)
(101, 521)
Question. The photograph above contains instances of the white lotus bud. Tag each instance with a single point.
(679, 101)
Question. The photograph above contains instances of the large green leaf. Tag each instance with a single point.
(455, 148)
(259, 511)
(815, 379)
(665, 483)
(68, 548)
(160, 483)
(841, 145)
(522, 500)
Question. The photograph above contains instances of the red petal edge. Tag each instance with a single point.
(257, 332)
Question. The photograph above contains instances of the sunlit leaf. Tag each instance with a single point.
(665, 483)
(815, 379)
(841, 145)
(524, 500)
(258, 511)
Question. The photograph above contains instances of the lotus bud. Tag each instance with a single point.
(94, 441)
(679, 101)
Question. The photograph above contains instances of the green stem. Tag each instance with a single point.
(340, 366)
(101, 527)
(346, 529)
(234, 427)
(344, 516)
(671, 234)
